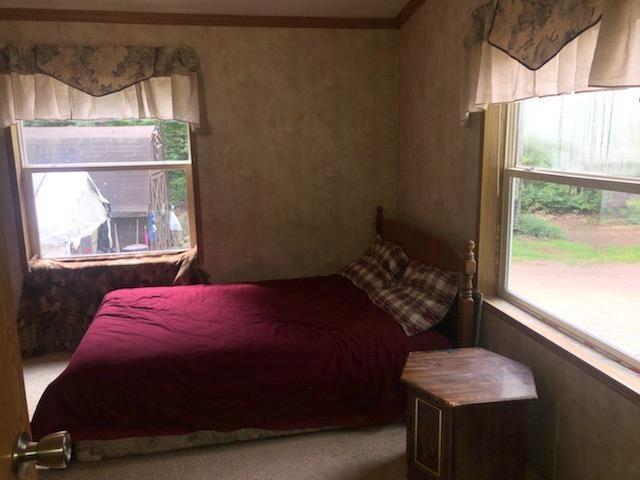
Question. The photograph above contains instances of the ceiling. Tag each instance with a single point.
(294, 8)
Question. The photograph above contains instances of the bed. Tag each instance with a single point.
(162, 368)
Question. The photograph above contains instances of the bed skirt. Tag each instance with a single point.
(96, 450)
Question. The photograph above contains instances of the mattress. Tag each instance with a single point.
(278, 356)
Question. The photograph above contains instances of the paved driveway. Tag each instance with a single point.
(603, 299)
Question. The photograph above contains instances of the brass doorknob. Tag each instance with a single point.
(52, 451)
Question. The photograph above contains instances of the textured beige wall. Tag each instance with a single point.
(300, 144)
(580, 429)
(438, 158)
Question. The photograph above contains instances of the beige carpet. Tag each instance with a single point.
(40, 372)
(370, 454)
(366, 454)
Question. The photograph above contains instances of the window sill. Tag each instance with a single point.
(113, 260)
(620, 378)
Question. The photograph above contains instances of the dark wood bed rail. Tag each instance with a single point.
(434, 252)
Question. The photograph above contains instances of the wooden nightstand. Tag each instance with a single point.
(467, 417)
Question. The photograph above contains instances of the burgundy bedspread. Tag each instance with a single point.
(277, 355)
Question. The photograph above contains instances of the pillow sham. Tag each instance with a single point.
(420, 299)
(382, 263)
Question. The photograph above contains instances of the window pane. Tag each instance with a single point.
(575, 253)
(595, 132)
(114, 141)
(86, 213)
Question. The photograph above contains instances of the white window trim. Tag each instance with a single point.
(499, 170)
(29, 219)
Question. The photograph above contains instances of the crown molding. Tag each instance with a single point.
(146, 18)
(407, 12)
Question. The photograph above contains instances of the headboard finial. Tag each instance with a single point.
(469, 249)
(379, 220)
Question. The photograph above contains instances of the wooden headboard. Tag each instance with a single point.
(434, 252)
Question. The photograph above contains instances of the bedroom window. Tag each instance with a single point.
(112, 187)
(570, 252)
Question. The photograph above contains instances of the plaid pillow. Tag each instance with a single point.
(420, 299)
(389, 256)
(381, 264)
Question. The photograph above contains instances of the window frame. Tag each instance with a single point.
(23, 172)
(498, 173)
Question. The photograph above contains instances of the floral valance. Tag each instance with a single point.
(532, 48)
(533, 32)
(88, 82)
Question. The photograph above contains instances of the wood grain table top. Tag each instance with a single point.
(468, 376)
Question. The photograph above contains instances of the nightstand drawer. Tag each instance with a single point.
(428, 437)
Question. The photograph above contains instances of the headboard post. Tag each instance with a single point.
(466, 304)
